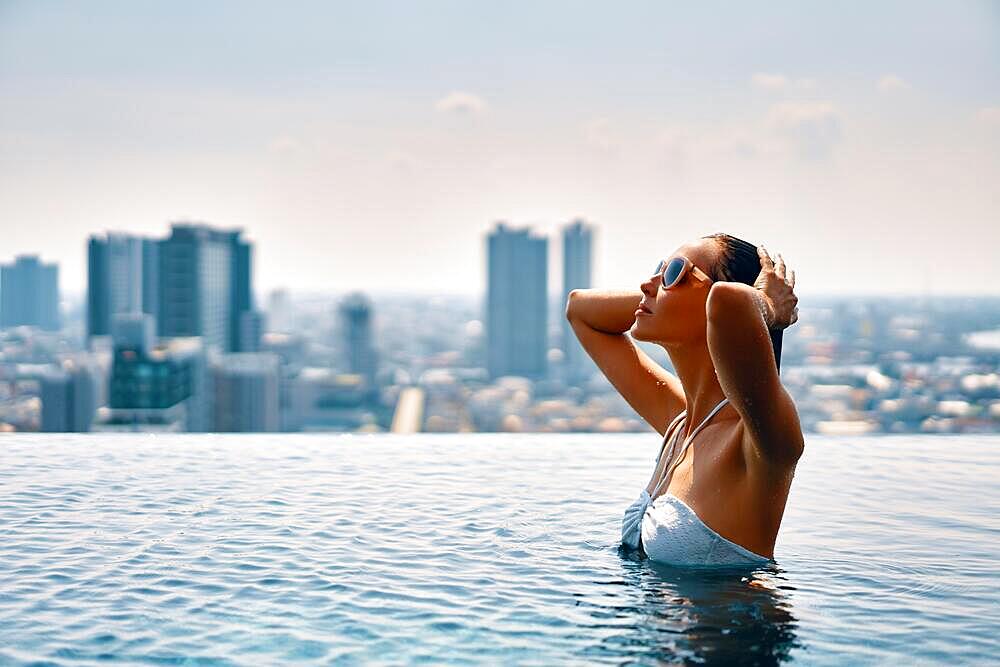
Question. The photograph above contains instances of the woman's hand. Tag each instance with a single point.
(780, 301)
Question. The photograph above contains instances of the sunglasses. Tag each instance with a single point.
(673, 271)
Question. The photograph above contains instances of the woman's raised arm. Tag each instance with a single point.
(740, 318)
(600, 320)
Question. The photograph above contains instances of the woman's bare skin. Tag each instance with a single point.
(737, 472)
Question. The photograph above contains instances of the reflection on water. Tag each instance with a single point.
(715, 616)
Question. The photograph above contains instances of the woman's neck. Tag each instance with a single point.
(702, 391)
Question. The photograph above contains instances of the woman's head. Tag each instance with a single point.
(677, 315)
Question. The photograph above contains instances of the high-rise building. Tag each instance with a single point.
(357, 337)
(517, 303)
(577, 247)
(279, 311)
(251, 331)
(204, 284)
(68, 396)
(246, 387)
(122, 275)
(164, 387)
(135, 331)
(29, 294)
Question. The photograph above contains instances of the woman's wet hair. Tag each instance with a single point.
(740, 263)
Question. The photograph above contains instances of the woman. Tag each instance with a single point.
(731, 432)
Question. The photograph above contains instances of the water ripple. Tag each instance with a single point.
(236, 550)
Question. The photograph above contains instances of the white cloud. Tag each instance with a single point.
(813, 128)
(989, 115)
(890, 82)
(769, 81)
(600, 135)
(779, 82)
(284, 144)
(674, 145)
(403, 162)
(461, 103)
(681, 148)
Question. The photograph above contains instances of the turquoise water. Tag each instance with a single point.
(470, 549)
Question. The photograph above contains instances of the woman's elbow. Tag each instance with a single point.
(573, 296)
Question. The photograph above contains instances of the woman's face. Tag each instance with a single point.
(677, 314)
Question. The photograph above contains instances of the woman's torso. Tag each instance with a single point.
(733, 491)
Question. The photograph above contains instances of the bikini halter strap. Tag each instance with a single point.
(687, 441)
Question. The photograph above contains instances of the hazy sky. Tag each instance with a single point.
(373, 144)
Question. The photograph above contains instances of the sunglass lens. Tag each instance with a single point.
(673, 271)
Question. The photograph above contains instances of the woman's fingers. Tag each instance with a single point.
(765, 259)
(791, 278)
(779, 269)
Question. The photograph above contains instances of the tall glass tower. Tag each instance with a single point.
(516, 303)
(204, 284)
(29, 293)
(122, 275)
(577, 246)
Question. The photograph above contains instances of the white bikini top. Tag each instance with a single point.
(668, 530)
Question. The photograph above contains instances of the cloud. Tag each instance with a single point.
(779, 82)
(674, 146)
(403, 162)
(600, 136)
(989, 115)
(681, 147)
(284, 144)
(461, 103)
(813, 128)
(890, 82)
(769, 81)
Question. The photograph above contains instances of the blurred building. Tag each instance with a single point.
(204, 285)
(516, 303)
(246, 386)
(355, 316)
(122, 277)
(68, 394)
(325, 400)
(162, 387)
(279, 311)
(251, 331)
(577, 246)
(29, 294)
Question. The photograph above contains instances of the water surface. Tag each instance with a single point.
(470, 549)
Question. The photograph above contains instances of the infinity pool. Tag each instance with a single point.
(471, 549)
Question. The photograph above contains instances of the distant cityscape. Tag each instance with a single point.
(171, 336)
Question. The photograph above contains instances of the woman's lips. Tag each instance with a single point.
(643, 310)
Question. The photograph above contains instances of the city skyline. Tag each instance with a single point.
(343, 138)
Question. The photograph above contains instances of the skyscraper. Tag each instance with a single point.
(204, 284)
(163, 387)
(122, 276)
(577, 246)
(29, 294)
(246, 387)
(68, 398)
(516, 303)
(357, 337)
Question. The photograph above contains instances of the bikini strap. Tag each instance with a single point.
(666, 433)
(687, 443)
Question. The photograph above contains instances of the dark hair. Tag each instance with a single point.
(740, 263)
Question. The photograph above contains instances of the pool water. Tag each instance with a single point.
(471, 549)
